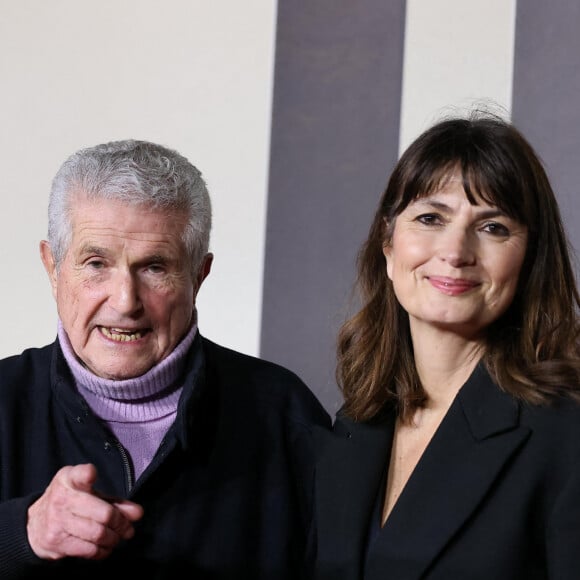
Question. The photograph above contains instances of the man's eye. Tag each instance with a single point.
(156, 268)
(95, 264)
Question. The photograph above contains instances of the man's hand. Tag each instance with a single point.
(72, 519)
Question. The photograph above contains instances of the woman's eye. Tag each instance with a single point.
(496, 228)
(429, 219)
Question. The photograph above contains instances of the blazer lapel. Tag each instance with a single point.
(473, 443)
(351, 463)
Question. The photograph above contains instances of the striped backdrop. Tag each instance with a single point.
(294, 111)
(355, 82)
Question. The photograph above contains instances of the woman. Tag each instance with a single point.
(456, 454)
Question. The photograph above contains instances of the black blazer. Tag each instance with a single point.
(496, 494)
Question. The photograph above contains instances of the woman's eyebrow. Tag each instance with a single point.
(441, 206)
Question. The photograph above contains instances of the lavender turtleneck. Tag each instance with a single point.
(138, 411)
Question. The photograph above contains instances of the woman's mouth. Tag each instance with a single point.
(452, 286)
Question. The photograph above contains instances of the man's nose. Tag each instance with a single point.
(124, 294)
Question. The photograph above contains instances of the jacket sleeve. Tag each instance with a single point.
(16, 555)
(302, 448)
(563, 529)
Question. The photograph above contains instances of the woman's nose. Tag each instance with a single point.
(457, 247)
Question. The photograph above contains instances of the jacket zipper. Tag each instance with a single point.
(127, 467)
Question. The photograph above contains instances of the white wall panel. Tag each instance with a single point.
(457, 52)
(191, 74)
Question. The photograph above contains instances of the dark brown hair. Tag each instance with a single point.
(532, 351)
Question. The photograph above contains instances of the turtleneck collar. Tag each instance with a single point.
(152, 384)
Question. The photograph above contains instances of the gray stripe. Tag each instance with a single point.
(335, 131)
(546, 95)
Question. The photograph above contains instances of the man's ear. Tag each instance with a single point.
(203, 271)
(49, 262)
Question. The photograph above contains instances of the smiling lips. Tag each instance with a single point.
(452, 286)
(121, 335)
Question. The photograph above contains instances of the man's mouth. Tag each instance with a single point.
(122, 335)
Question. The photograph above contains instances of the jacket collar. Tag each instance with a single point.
(195, 391)
(474, 441)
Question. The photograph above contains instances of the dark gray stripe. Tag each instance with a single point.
(335, 132)
(546, 95)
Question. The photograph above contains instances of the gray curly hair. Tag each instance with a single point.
(133, 172)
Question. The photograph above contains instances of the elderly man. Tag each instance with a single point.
(132, 438)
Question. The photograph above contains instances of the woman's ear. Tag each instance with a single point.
(387, 247)
(387, 253)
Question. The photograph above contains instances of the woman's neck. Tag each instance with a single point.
(444, 361)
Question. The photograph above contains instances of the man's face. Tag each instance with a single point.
(125, 291)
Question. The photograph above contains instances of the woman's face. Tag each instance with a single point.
(454, 265)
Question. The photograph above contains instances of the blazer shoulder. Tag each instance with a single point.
(559, 417)
(249, 378)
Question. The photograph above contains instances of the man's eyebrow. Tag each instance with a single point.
(92, 249)
(156, 258)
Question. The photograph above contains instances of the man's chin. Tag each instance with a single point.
(116, 372)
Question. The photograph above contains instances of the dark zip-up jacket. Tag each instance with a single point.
(228, 494)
